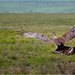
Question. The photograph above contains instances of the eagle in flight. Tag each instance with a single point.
(59, 42)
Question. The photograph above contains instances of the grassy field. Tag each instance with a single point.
(19, 55)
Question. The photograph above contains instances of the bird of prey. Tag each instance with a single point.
(59, 42)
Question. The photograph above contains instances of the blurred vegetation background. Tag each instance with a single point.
(19, 55)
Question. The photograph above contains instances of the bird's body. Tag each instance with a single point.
(57, 41)
(65, 50)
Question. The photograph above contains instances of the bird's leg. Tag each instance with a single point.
(54, 34)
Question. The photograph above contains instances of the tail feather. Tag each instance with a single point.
(36, 35)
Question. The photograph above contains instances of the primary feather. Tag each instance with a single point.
(38, 36)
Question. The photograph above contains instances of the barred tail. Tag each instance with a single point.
(37, 35)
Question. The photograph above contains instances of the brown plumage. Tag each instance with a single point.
(58, 42)
(64, 50)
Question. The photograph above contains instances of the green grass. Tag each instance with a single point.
(19, 55)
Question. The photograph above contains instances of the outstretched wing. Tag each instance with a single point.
(38, 36)
(41, 37)
(69, 35)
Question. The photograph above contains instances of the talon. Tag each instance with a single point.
(71, 49)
